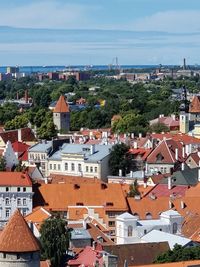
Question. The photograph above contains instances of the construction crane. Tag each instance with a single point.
(115, 65)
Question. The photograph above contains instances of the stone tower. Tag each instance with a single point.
(18, 246)
(184, 113)
(61, 115)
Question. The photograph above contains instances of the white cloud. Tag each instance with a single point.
(170, 21)
(46, 14)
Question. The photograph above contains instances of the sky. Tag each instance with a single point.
(95, 32)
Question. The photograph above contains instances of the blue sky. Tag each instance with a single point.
(69, 32)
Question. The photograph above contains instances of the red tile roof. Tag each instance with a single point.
(14, 179)
(195, 105)
(19, 147)
(12, 136)
(17, 236)
(142, 152)
(161, 190)
(61, 106)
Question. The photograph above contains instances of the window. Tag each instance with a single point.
(66, 166)
(95, 169)
(7, 213)
(7, 189)
(59, 167)
(24, 202)
(91, 169)
(79, 167)
(54, 166)
(175, 228)
(130, 230)
(145, 231)
(24, 189)
(72, 167)
(148, 216)
(18, 201)
(18, 189)
(7, 201)
(24, 212)
(111, 223)
(87, 169)
(50, 166)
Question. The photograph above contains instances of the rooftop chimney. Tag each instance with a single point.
(132, 135)
(183, 151)
(26, 96)
(169, 183)
(135, 145)
(140, 135)
(182, 166)
(176, 153)
(120, 172)
(92, 149)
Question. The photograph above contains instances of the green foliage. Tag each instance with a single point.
(133, 189)
(18, 122)
(179, 253)
(20, 167)
(119, 159)
(54, 240)
(2, 164)
(158, 128)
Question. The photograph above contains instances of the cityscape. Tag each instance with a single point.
(99, 133)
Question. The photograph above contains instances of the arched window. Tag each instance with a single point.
(175, 228)
(148, 216)
(79, 167)
(136, 215)
(130, 230)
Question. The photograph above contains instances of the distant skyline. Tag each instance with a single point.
(71, 32)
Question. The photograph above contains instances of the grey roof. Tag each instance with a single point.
(80, 233)
(186, 177)
(126, 215)
(159, 236)
(43, 146)
(151, 222)
(170, 213)
(100, 151)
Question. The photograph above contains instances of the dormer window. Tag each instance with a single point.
(159, 157)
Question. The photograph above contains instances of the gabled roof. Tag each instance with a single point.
(61, 105)
(17, 236)
(12, 135)
(195, 105)
(95, 233)
(187, 177)
(126, 215)
(14, 179)
(165, 152)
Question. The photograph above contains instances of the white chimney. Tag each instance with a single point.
(176, 153)
(140, 135)
(125, 135)
(120, 172)
(132, 135)
(131, 174)
(92, 149)
(19, 135)
(173, 117)
(135, 145)
(145, 185)
(170, 205)
(182, 166)
(182, 204)
(169, 183)
(183, 151)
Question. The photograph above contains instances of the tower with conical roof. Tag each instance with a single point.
(18, 245)
(61, 115)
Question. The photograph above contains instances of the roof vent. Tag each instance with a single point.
(76, 186)
(103, 186)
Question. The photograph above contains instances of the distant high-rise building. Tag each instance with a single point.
(12, 70)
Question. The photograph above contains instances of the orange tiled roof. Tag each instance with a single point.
(60, 196)
(17, 236)
(195, 105)
(38, 215)
(61, 105)
(14, 179)
(173, 264)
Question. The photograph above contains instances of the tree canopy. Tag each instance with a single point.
(54, 240)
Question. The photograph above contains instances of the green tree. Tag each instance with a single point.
(54, 240)
(18, 122)
(179, 253)
(119, 159)
(133, 189)
(158, 128)
(2, 164)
